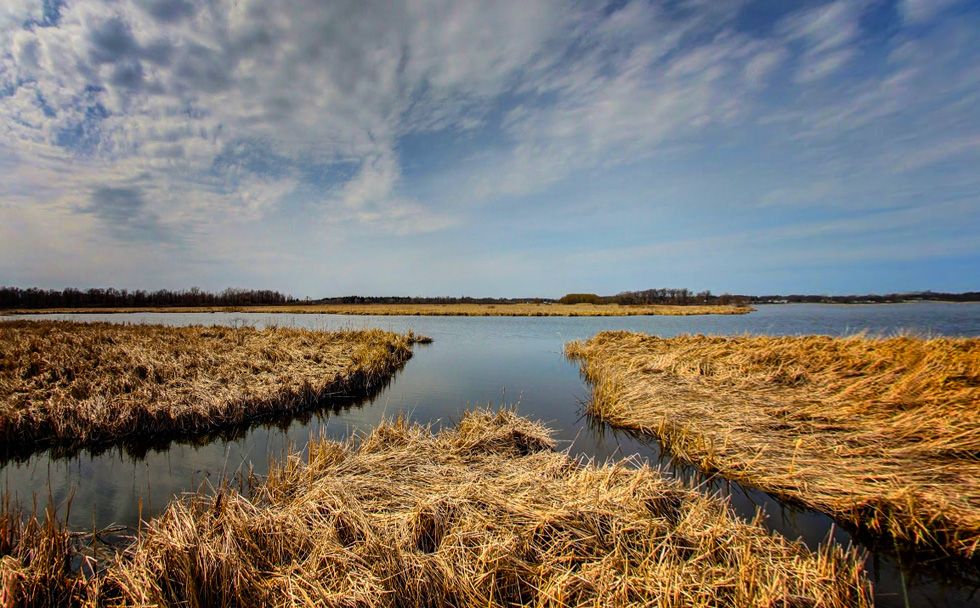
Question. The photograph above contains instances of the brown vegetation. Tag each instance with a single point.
(485, 514)
(881, 433)
(64, 383)
(36, 562)
(434, 310)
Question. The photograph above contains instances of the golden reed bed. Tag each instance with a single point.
(74, 384)
(435, 310)
(881, 433)
(485, 514)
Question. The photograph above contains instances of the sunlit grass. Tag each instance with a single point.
(881, 433)
(484, 514)
(64, 383)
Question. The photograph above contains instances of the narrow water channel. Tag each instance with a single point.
(496, 361)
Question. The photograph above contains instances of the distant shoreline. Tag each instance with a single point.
(546, 309)
(426, 310)
(867, 303)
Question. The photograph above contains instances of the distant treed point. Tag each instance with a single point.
(675, 297)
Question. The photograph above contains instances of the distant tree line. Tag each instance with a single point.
(676, 297)
(679, 297)
(34, 298)
(682, 297)
(428, 300)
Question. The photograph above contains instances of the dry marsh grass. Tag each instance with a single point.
(485, 514)
(81, 384)
(437, 310)
(883, 433)
(36, 561)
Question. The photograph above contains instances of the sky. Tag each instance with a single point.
(501, 148)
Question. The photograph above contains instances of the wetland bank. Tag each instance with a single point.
(481, 360)
(72, 384)
(483, 514)
(883, 433)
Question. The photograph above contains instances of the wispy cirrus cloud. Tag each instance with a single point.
(828, 36)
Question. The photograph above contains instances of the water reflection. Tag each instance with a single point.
(476, 361)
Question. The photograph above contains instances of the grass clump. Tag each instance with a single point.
(81, 384)
(882, 433)
(36, 558)
(484, 514)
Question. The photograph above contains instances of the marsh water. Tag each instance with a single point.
(496, 361)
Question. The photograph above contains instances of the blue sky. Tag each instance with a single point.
(497, 148)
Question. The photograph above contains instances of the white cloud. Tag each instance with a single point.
(342, 82)
(162, 89)
(763, 64)
(646, 82)
(13, 13)
(918, 11)
(955, 147)
(828, 35)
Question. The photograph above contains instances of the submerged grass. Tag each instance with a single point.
(437, 310)
(81, 384)
(485, 514)
(882, 433)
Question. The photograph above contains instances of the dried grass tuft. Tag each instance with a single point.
(37, 561)
(881, 433)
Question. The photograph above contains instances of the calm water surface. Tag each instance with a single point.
(479, 361)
